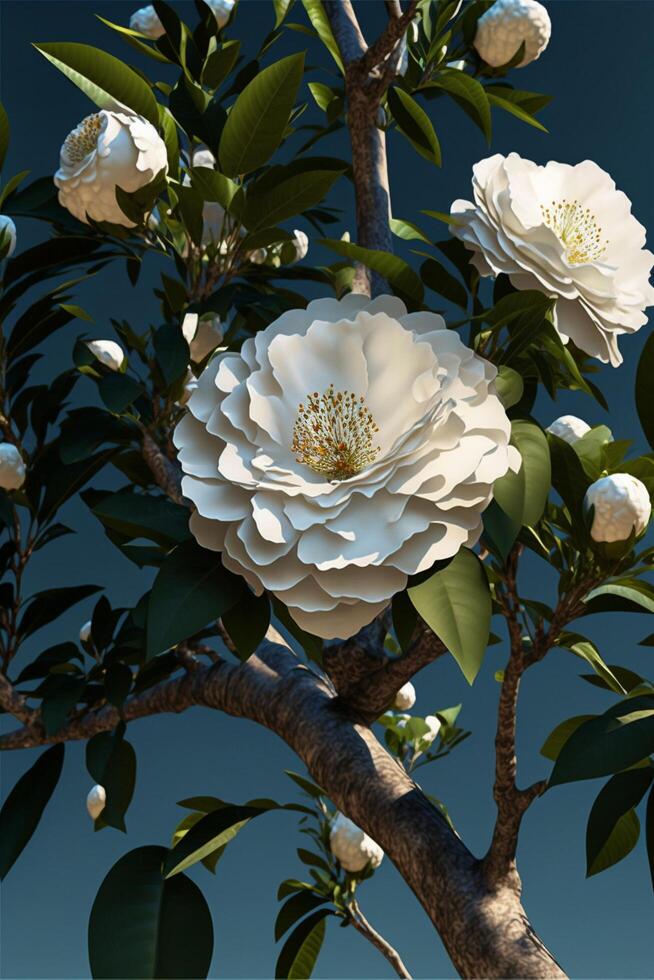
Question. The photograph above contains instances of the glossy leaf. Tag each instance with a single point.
(522, 495)
(644, 400)
(23, 808)
(143, 926)
(469, 93)
(106, 80)
(613, 827)
(436, 277)
(297, 906)
(247, 622)
(557, 738)
(288, 198)
(258, 119)
(399, 274)
(214, 830)
(302, 948)
(111, 761)
(47, 606)
(191, 590)
(455, 603)
(415, 124)
(320, 22)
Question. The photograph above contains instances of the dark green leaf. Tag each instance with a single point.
(295, 908)
(118, 391)
(556, 739)
(4, 134)
(644, 400)
(191, 590)
(142, 926)
(141, 515)
(455, 603)
(247, 622)
(469, 93)
(612, 829)
(436, 277)
(302, 948)
(46, 606)
(172, 353)
(23, 808)
(214, 830)
(288, 198)
(415, 124)
(259, 117)
(111, 761)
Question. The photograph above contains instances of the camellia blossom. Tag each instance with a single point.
(509, 24)
(345, 447)
(12, 467)
(105, 151)
(405, 697)
(8, 231)
(96, 801)
(301, 242)
(569, 428)
(146, 21)
(108, 352)
(221, 10)
(85, 632)
(621, 506)
(567, 231)
(352, 847)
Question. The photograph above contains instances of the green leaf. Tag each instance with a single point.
(247, 622)
(408, 231)
(23, 808)
(455, 603)
(607, 744)
(415, 124)
(143, 926)
(613, 828)
(258, 119)
(191, 590)
(568, 478)
(399, 274)
(500, 530)
(118, 391)
(515, 110)
(172, 352)
(469, 93)
(589, 652)
(61, 693)
(288, 198)
(302, 948)
(141, 515)
(111, 761)
(320, 22)
(295, 908)
(436, 277)
(523, 495)
(305, 784)
(213, 186)
(628, 593)
(559, 736)
(219, 64)
(643, 391)
(104, 79)
(214, 830)
(649, 833)
(47, 606)
(509, 386)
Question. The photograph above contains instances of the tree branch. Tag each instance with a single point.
(362, 926)
(166, 474)
(14, 703)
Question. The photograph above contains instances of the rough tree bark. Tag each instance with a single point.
(474, 904)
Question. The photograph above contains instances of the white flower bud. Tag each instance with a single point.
(352, 847)
(146, 21)
(405, 697)
(622, 505)
(12, 467)
(434, 727)
(105, 151)
(108, 352)
(8, 230)
(221, 10)
(569, 428)
(301, 242)
(345, 237)
(506, 25)
(457, 65)
(85, 632)
(96, 801)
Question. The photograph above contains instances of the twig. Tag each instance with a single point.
(361, 924)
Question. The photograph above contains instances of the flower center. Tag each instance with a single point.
(334, 434)
(83, 139)
(576, 227)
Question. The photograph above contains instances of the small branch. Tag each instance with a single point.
(166, 474)
(14, 703)
(386, 42)
(362, 926)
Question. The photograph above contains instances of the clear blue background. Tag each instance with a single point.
(598, 68)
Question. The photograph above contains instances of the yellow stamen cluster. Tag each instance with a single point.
(576, 227)
(83, 138)
(334, 434)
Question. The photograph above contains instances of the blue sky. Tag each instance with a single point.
(598, 68)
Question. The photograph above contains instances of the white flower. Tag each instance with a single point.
(221, 10)
(8, 230)
(344, 447)
(85, 632)
(352, 847)
(190, 385)
(457, 65)
(202, 336)
(405, 697)
(12, 467)
(301, 242)
(506, 25)
(96, 801)
(569, 428)
(434, 726)
(622, 505)
(105, 151)
(108, 352)
(146, 21)
(568, 232)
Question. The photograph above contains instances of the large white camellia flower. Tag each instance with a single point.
(508, 24)
(344, 448)
(352, 847)
(12, 467)
(565, 230)
(105, 151)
